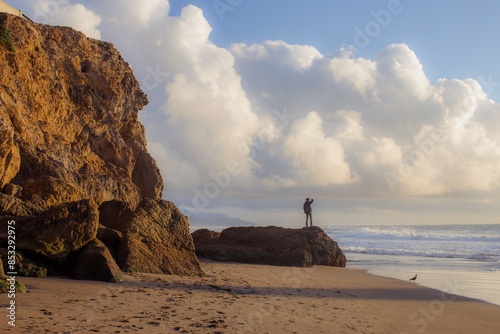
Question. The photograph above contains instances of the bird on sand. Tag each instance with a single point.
(414, 278)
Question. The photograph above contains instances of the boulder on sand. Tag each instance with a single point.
(94, 262)
(156, 237)
(55, 233)
(270, 245)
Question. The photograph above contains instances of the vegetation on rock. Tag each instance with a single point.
(5, 286)
(6, 39)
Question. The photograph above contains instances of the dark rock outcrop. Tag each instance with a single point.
(22, 265)
(71, 140)
(94, 262)
(16, 207)
(111, 238)
(270, 245)
(156, 237)
(56, 232)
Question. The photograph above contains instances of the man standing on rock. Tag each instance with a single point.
(308, 210)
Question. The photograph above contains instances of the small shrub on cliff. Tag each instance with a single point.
(39, 272)
(6, 39)
(5, 286)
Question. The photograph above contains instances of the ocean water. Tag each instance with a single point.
(460, 259)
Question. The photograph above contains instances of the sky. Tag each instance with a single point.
(384, 112)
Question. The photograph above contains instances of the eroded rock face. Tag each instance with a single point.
(56, 232)
(10, 160)
(69, 127)
(156, 237)
(270, 245)
(15, 206)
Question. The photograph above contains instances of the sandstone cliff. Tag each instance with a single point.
(69, 132)
(270, 245)
(69, 119)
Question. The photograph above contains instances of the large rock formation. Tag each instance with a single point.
(69, 126)
(70, 140)
(270, 245)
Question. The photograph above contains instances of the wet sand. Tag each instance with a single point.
(243, 298)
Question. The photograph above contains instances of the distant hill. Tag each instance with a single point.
(212, 220)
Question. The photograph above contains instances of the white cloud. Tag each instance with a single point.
(148, 10)
(382, 152)
(279, 53)
(400, 73)
(316, 160)
(462, 158)
(131, 13)
(359, 74)
(347, 125)
(64, 13)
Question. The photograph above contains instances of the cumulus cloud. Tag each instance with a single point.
(396, 133)
(139, 12)
(279, 53)
(357, 74)
(275, 117)
(400, 75)
(62, 12)
(315, 159)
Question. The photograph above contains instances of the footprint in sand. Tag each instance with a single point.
(45, 312)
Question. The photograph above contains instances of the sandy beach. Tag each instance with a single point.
(243, 298)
